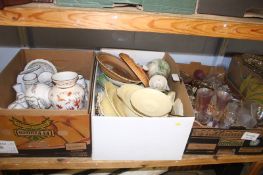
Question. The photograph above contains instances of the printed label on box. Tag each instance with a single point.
(250, 136)
(230, 142)
(76, 146)
(8, 147)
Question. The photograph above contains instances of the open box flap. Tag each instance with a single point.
(179, 87)
(8, 79)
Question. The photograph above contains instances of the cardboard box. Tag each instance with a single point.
(170, 6)
(135, 138)
(45, 132)
(235, 8)
(238, 71)
(166, 6)
(205, 140)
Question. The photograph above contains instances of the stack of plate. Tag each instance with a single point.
(133, 101)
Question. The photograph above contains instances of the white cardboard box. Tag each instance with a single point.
(133, 138)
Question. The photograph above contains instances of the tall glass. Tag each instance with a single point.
(203, 99)
(222, 99)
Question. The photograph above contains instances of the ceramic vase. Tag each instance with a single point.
(37, 96)
(66, 94)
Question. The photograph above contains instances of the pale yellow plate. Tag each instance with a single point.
(151, 102)
(125, 92)
(110, 92)
(118, 106)
(105, 107)
(122, 109)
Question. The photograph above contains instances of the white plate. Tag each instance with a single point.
(44, 64)
(151, 102)
(178, 108)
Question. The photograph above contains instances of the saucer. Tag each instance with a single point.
(44, 64)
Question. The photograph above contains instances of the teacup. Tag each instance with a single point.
(81, 81)
(29, 80)
(45, 78)
(36, 69)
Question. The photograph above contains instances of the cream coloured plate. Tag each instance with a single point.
(103, 106)
(117, 105)
(122, 109)
(125, 92)
(110, 92)
(106, 107)
(151, 102)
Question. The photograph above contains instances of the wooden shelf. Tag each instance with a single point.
(129, 19)
(87, 163)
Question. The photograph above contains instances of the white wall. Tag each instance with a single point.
(6, 55)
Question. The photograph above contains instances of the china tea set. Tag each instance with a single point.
(35, 89)
(135, 91)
